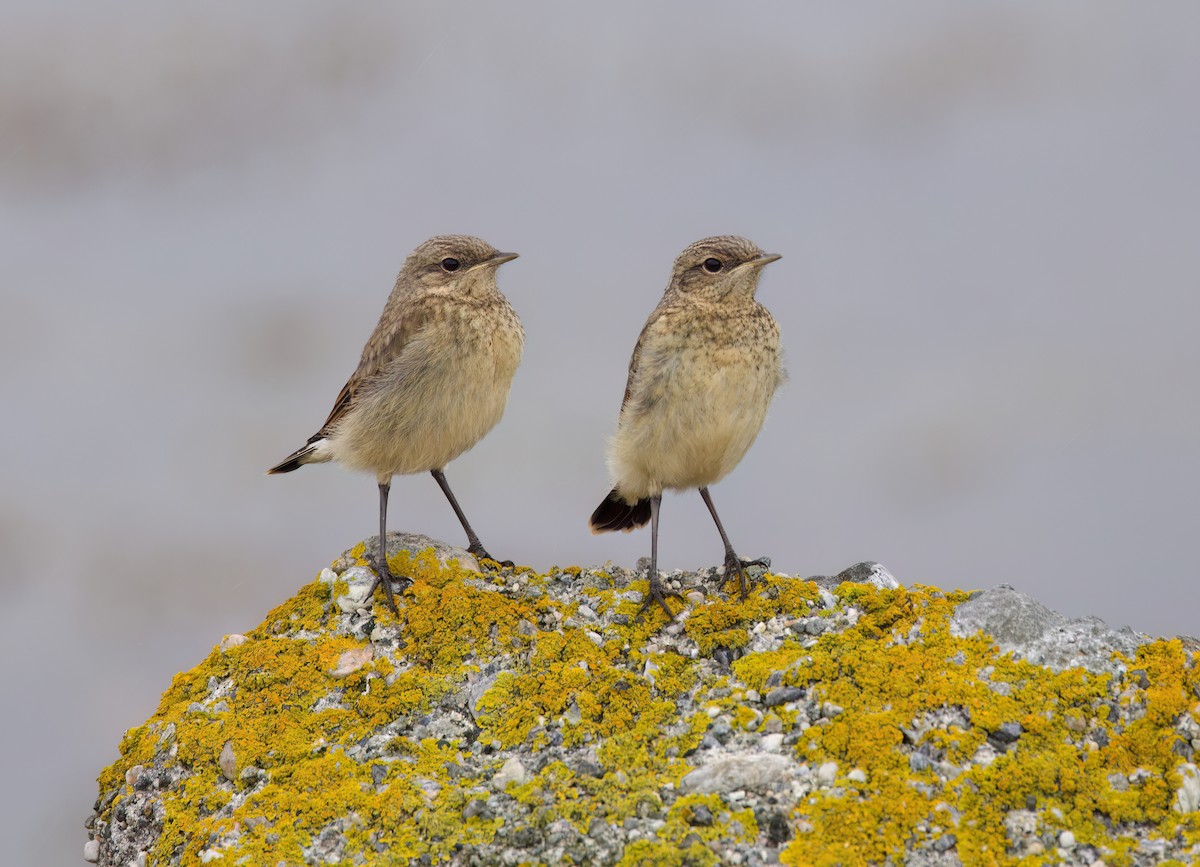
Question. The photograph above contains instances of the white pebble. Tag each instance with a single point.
(827, 773)
(771, 743)
(232, 640)
(511, 772)
(91, 851)
(858, 775)
(327, 576)
(1066, 839)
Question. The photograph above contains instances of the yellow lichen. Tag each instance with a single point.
(895, 666)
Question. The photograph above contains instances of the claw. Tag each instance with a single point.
(735, 565)
(657, 596)
(480, 553)
(384, 577)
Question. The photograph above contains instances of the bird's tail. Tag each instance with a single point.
(616, 514)
(311, 453)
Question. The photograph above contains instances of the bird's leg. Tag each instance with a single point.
(656, 594)
(475, 547)
(732, 562)
(381, 564)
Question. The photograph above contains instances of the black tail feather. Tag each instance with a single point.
(616, 514)
(294, 461)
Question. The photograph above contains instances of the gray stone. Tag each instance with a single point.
(760, 772)
(416, 543)
(1187, 796)
(512, 771)
(1013, 618)
(1023, 626)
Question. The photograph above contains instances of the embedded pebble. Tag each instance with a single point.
(827, 773)
(91, 851)
(232, 640)
(227, 762)
(512, 771)
(754, 771)
(352, 660)
(772, 743)
(1187, 796)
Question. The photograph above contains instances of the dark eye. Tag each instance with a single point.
(712, 266)
(450, 264)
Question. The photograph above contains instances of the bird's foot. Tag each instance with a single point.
(656, 595)
(480, 554)
(736, 566)
(384, 578)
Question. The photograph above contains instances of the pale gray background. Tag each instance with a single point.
(989, 218)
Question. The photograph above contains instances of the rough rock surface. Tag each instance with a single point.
(517, 718)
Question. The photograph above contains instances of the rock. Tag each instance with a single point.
(227, 762)
(1187, 796)
(416, 543)
(1023, 626)
(754, 771)
(1013, 618)
(351, 661)
(1004, 736)
(232, 640)
(783, 695)
(512, 772)
(732, 735)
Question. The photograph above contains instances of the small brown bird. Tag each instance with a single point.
(703, 372)
(433, 378)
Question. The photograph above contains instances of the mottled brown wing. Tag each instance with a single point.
(385, 344)
(637, 356)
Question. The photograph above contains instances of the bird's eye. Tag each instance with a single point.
(450, 264)
(712, 266)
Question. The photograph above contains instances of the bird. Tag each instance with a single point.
(704, 370)
(433, 378)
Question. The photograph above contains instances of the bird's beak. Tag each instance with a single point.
(764, 260)
(498, 260)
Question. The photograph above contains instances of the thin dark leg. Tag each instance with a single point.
(381, 564)
(732, 562)
(655, 596)
(475, 547)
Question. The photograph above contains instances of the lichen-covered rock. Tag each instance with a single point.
(522, 718)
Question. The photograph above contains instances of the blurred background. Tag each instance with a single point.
(989, 220)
